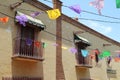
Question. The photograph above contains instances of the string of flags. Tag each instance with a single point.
(37, 44)
(96, 54)
(73, 50)
(55, 13)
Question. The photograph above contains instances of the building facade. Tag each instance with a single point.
(30, 52)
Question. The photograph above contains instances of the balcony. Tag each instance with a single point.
(84, 62)
(22, 51)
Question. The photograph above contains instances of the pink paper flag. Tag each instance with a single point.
(35, 14)
(55, 44)
(73, 50)
(98, 4)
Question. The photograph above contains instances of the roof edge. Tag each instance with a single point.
(44, 7)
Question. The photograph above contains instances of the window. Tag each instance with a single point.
(27, 33)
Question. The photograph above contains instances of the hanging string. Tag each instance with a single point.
(44, 30)
(100, 15)
(18, 8)
(98, 20)
(71, 17)
(89, 12)
(49, 32)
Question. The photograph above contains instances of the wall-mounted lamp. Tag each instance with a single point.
(14, 5)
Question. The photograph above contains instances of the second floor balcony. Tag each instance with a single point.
(84, 62)
(24, 50)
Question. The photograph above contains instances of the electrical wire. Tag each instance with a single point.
(89, 12)
(17, 8)
(98, 20)
(58, 36)
(43, 30)
(48, 32)
(71, 17)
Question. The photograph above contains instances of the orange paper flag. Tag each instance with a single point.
(116, 59)
(4, 20)
(92, 56)
(37, 44)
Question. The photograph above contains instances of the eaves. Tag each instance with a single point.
(44, 7)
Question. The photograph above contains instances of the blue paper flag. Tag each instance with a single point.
(84, 53)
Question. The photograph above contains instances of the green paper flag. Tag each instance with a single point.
(106, 54)
(44, 45)
(118, 3)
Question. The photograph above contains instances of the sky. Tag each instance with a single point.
(111, 30)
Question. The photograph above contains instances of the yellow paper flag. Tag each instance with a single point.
(64, 47)
(53, 14)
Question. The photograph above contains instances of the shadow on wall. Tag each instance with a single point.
(27, 69)
(83, 74)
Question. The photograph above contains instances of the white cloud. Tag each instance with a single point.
(99, 27)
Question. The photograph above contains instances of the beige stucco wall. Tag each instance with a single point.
(97, 72)
(9, 67)
(46, 69)
(5, 43)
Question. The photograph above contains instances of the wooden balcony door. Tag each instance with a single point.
(81, 59)
(27, 33)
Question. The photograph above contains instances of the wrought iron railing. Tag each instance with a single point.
(85, 61)
(27, 49)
